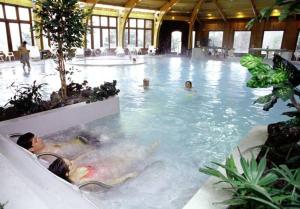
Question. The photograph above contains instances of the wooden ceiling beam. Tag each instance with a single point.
(196, 11)
(158, 18)
(220, 10)
(254, 9)
(192, 21)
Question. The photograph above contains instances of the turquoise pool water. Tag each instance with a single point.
(192, 127)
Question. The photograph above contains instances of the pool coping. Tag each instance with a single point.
(210, 193)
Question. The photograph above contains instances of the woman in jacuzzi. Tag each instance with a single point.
(36, 145)
(107, 165)
(72, 173)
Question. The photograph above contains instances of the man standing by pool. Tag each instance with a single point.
(24, 55)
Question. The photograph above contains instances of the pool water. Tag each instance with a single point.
(192, 127)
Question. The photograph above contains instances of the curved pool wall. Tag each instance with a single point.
(193, 127)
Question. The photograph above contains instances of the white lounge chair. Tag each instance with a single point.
(120, 52)
(10, 55)
(151, 50)
(79, 53)
(297, 55)
(104, 51)
(34, 53)
(287, 55)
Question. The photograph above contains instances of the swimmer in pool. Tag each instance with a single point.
(36, 145)
(188, 85)
(109, 168)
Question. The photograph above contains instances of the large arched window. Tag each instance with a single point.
(176, 42)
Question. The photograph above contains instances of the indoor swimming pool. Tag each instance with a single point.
(189, 128)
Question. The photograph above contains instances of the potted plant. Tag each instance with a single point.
(256, 187)
(284, 137)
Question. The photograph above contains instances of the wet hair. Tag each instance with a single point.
(24, 42)
(60, 168)
(25, 140)
(190, 82)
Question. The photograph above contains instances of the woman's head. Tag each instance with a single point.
(60, 168)
(24, 43)
(188, 84)
(31, 142)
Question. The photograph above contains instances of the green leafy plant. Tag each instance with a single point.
(256, 188)
(62, 21)
(283, 77)
(2, 205)
(27, 98)
(287, 7)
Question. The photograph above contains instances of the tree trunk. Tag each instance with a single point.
(62, 75)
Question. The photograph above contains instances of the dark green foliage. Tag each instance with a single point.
(288, 8)
(257, 188)
(27, 98)
(104, 91)
(283, 77)
(2, 205)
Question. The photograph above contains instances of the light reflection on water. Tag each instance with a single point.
(193, 127)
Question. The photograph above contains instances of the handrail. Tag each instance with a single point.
(50, 154)
(98, 183)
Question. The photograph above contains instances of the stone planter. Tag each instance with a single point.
(51, 121)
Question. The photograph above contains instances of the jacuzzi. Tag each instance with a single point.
(25, 182)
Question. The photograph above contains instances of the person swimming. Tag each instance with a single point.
(188, 85)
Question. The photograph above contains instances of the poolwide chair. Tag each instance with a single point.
(151, 50)
(120, 52)
(34, 53)
(10, 55)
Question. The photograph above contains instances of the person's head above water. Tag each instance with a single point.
(24, 43)
(61, 168)
(31, 142)
(188, 84)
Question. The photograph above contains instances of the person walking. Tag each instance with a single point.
(24, 55)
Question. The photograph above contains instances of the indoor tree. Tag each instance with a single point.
(62, 21)
(287, 7)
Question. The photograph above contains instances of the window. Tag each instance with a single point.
(176, 42)
(15, 27)
(194, 38)
(215, 38)
(26, 33)
(298, 43)
(241, 41)
(103, 32)
(138, 33)
(3, 37)
(24, 14)
(15, 35)
(1, 11)
(10, 12)
(272, 39)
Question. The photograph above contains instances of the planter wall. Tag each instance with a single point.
(51, 121)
